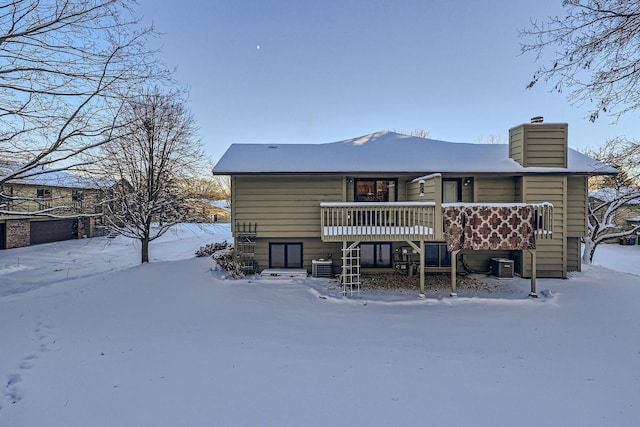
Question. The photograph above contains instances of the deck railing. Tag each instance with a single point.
(544, 220)
(379, 221)
(395, 221)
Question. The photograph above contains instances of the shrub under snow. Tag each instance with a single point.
(224, 255)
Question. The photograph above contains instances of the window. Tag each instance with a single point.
(44, 197)
(451, 191)
(436, 255)
(376, 255)
(6, 199)
(77, 195)
(285, 255)
(43, 193)
(375, 190)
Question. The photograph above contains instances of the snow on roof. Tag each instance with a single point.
(611, 194)
(50, 178)
(388, 152)
(220, 204)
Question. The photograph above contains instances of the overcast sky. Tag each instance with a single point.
(326, 70)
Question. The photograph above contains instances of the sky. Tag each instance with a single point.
(297, 71)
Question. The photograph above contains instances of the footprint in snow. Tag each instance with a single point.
(28, 362)
(45, 337)
(14, 392)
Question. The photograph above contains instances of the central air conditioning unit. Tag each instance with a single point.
(322, 268)
(501, 267)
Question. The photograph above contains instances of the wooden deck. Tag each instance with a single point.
(404, 221)
(393, 221)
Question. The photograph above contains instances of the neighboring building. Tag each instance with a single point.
(203, 210)
(388, 194)
(70, 195)
(628, 212)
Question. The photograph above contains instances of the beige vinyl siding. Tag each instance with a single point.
(577, 199)
(480, 261)
(284, 206)
(546, 146)
(413, 192)
(232, 181)
(311, 249)
(349, 189)
(402, 189)
(432, 190)
(516, 144)
(573, 254)
(467, 190)
(551, 253)
(543, 144)
(496, 190)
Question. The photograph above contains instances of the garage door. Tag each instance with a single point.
(53, 231)
(2, 238)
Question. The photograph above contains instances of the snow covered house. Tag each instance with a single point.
(46, 208)
(385, 199)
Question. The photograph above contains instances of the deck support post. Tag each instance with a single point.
(422, 268)
(454, 267)
(533, 293)
(420, 251)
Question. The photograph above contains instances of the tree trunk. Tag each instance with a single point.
(589, 249)
(145, 250)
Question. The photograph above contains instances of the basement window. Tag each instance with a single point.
(376, 255)
(436, 255)
(285, 255)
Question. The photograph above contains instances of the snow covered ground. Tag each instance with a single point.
(90, 338)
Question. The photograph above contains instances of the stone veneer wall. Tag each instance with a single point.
(86, 227)
(18, 233)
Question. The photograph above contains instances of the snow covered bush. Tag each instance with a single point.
(212, 248)
(224, 255)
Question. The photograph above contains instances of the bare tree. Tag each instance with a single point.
(595, 52)
(202, 188)
(224, 184)
(612, 195)
(66, 67)
(493, 139)
(419, 132)
(155, 151)
(203, 193)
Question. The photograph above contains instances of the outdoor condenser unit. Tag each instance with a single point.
(501, 267)
(322, 268)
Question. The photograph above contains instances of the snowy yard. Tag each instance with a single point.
(91, 338)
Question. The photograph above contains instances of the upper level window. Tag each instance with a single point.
(6, 197)
(43, 193)
(44, 197)
(376, 190)
(77, 196)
